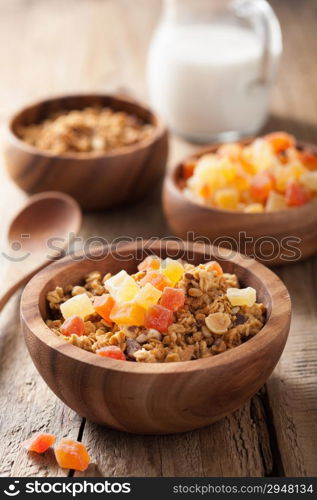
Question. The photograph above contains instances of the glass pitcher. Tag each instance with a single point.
(211, 67)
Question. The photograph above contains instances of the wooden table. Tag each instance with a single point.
(82, 45)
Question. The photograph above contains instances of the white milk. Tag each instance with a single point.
(203, 80)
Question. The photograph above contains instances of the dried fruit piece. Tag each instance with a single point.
(308, 159)
(122, 287)
(254, 208)
(39, 443)
(287, 173)
(280, 141)
(127, 313)
(296, 195)
(309, 180)
(226, 198)
(172, 298)
(147, 296)
(103, 306)
(241, 296)
(173, 270)
(73, 324)
(215, 267)
(275, 202)
(157, 279)
(111, 351)
(261, 185)
(158, 317)
(218, 322)
(188, 168)
(72, 454)
(80, 305)
(150, 262)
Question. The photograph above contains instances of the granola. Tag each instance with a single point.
(206, 323)
(92, 129)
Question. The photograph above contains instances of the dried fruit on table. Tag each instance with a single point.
(147, 296)
(215, 267)
(111, 351)
(275, 202)
(218, 322)
(73, 324)
(241, 296)
(72, 454)
(296, 195)
(226, 198)
(122, 287)
(280, 141)
(172, 298)
(39, 443)
(127, 313)
(261, 185)
(309, 179)
(80, 305)
(103, 306)
(173, 270)
(150, 262)
(157, 279)
(159, 318)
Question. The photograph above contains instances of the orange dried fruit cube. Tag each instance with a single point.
(103, 306)
(280, 141)
(296, 195)
(127, 313)
(172, 298)
(188, 168)
(261, 185)
(157, 279)
(39, 443)
(159, 318)
(111, 351)
(150, 262)
(71, 325)
(308, 159)
(215, 267)
(72, 454)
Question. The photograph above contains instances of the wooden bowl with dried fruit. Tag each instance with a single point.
(156, 344)
(258, 196)
(104, 150)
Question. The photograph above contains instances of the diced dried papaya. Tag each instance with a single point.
(39, 443)
(261, 185)
(173, 270)
(296, 195)
(308, 159)
(215, 267)
(159, 318)
(226, 198)
(111, 351)
(127, 313)
(122, 287)
(172, 298)
(80, 305)
(241, 296)
(103, 306)
(147, 296)
(188, 168)
(280, 141)
(73, 324)
(150, 262)
(72, 454)
(157, 279)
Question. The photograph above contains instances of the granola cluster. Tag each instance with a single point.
(92, 129)
(206, 325)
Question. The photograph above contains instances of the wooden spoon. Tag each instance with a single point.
(39, 233)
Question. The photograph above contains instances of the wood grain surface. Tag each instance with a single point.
(104, 43)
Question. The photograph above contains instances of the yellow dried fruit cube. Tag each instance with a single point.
(80, 305)
(241, 296)
(254, 208)
(226, 198)
(122, 287)
(275, 202)
(309, 179)
(283, 174)
(128, 313)
(173, 270)
(147, 296)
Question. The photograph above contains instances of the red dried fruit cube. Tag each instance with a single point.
(158, 317)
(172, 298)
(111, 351)
(296, 194)
(39, 443)
(74, 324)
(261, 185)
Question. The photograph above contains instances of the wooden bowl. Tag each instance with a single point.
(155, 398)
(96, 180)
(276, 238)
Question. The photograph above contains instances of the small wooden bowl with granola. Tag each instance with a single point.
(159, 343)
(104, 150)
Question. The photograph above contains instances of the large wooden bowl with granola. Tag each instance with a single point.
(104, 150)
(155, 344)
